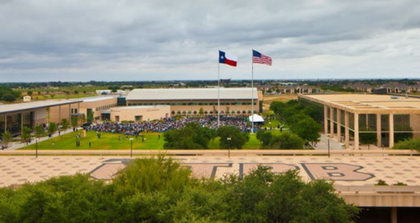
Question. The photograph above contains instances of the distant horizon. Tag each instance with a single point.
(179, 80)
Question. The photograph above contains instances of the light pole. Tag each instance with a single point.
(228, 139)
(131, 150)
(36, 148)
(328, 148)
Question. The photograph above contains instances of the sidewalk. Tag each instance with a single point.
(335, 145)
(323, 143)
(18, 145)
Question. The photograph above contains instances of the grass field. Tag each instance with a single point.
(109, 141)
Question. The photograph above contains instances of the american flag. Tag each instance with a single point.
(258, 57)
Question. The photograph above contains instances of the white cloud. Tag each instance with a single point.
(144, 40)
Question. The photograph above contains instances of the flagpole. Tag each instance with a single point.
(252, 96)
(218, 95)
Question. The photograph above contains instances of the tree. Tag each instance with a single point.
(9, 97)
(231, 137)
(29, 93)
(161, 190)
(75, 121)
(264, 137)
(192, 136)
(201, 111)
(64, 124)
(367, 138)
(6, 138)
(39, 131)
(286, 140)
(308, 129)
(263, 196)
(408, 144)
(52, 128)
(26, 134)
(210, 133)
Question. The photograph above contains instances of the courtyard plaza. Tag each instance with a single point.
(343, 170)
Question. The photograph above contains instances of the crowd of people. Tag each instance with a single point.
(167, 124)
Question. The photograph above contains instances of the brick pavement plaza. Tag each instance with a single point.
(344, 170)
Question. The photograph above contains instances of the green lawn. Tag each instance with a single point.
(109, 141)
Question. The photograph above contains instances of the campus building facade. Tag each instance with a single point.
(200, 101)
(348, 117)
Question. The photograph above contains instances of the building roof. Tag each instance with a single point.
(99, 98)
(138, 107)
(368, 103)
(192, 94)
(34, 105)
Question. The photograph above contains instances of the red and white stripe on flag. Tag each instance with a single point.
(258, 57)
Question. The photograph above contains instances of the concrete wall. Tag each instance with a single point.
(40, 116)
(209, 108)
(148, 114)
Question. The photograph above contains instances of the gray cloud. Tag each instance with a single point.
(164, 39)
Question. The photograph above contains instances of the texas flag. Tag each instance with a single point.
(227, 59)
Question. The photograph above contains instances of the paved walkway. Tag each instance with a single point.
(335, 145)
(346, 171)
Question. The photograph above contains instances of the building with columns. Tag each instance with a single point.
(348, 117)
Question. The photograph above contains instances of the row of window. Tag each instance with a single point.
(193, 103)
(212, 112)
(100, 108)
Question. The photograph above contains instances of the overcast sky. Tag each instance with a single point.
(72, 40)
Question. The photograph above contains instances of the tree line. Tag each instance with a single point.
(193, 136)
(302, 119)
(9, 95)
(161, 190)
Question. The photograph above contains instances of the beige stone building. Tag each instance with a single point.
(90, 108)
(348, 116)
(14, 117)
(139, 113)
(196, 101)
